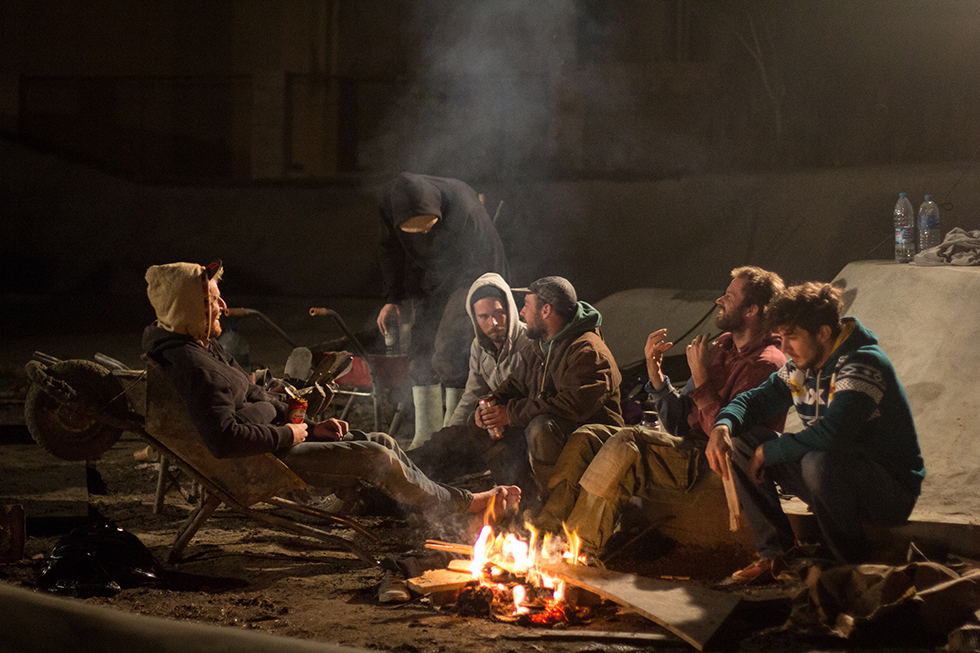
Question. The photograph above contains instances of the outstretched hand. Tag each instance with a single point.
(653, 351)
(700, 353)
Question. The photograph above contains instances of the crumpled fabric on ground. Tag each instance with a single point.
(921, 599)
(959, 247)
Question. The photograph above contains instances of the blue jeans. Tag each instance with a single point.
(376, 460)
(843, 489)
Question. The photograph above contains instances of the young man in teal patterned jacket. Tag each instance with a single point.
(857, 458)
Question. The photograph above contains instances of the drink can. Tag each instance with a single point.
(486, 402)
(650, 419)
(297, 410)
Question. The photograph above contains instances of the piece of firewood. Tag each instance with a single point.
(692, 613)
(459, 565)
(589, 635)
(730, 496)
(438, 580)
(451, 547)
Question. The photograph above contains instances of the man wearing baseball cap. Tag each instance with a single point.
(566, 377)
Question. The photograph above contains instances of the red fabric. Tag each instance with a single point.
(731, 373)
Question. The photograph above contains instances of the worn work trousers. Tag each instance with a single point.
(466, 449)
(842, 489)
(546, 437)
(374, 459)
(603, 466)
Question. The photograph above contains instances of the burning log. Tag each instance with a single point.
(513, 580)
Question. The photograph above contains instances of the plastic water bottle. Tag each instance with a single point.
(904, 217)
(928, 224)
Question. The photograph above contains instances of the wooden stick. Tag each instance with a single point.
(592, 635)
(730, 495)
(437, 545)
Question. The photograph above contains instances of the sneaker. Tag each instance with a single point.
(393, 589)
(760, 570)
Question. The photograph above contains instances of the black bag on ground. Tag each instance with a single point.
(98, 559)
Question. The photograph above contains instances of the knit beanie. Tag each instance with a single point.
(488, 290)
(558, 292)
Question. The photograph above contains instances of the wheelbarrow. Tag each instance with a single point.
(78, 409)
(367, 376)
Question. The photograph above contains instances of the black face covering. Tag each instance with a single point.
(420, 245)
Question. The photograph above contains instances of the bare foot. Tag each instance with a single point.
(499, 499)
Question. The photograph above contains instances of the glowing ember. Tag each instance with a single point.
(500, 557)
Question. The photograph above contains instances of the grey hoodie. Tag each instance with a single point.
(488, 367)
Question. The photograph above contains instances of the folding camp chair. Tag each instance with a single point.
(238, 483)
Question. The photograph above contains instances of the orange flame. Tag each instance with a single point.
(512, 554)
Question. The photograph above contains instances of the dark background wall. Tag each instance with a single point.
(633, 142)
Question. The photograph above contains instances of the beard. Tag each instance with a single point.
(734, 321)
(497, 337)
(536, 332)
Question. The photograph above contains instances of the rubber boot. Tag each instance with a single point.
(428, 412)
(453, 395)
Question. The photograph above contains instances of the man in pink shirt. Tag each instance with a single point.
(601, 467)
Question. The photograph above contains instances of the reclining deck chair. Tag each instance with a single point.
(238, 483)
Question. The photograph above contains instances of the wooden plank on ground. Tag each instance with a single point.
(692, 613)
(438, 580)
(589, 635)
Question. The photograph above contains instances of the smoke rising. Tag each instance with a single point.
(481, 101)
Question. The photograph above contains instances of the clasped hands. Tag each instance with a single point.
(491, 417)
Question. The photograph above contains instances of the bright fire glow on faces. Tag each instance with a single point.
(807, 351)
(216, 306)
(491, 317)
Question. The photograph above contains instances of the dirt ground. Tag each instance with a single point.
(239, 573)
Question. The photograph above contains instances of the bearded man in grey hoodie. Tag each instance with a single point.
(462, 447)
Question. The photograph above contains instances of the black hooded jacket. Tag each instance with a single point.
(461, 246)
(233, 416)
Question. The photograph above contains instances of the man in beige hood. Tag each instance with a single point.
(236, 418)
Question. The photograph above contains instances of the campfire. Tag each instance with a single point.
(507, 581)
(542, 581)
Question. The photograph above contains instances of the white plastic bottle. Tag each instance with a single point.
(928, 224)
(904, 217)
